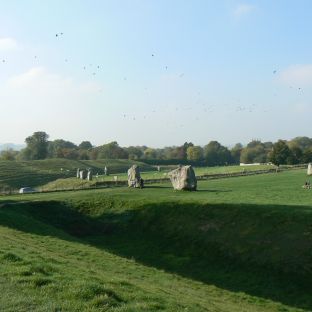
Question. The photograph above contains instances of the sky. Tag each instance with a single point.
(156, 73)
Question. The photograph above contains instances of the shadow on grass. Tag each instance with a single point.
(264, 251)
(214, 191)
(198, 190)
(149, 186)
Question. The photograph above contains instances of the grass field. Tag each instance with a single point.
(240, 244)
(17, 174)
(73, 183)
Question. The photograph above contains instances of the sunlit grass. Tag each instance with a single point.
(239, 244)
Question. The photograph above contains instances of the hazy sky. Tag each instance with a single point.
(158, 72)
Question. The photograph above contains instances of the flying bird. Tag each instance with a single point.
(274, 71)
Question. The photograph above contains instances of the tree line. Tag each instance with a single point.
(295, 151)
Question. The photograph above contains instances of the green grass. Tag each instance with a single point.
(73, 183)
(17, 174)
(240, 244)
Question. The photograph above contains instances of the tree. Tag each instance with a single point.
(175, 152)
(134, 152)
(295, 155)
(280, 153)
(56, 148)
(255, 152)
(195, 153)
(150, 153)
(85, 145)
(94, 153)
(303, 143)
(69, 153)
(83, 154)
(37, 145)
(236, 153)
(215, 154)
(8, 154)
(112, 151)
(307, 156)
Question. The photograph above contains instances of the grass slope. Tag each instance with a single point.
(240, 244)
(16, 174)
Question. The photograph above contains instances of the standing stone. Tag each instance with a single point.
(83, 174)
(78, 173)
(106, 171)
(89, 175)
(134, 176)
(183, 178)
(309, 172)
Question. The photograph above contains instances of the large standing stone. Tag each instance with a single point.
(78, 173)
(83, 174)
(183, 178)
(309, 172)
(134, 176)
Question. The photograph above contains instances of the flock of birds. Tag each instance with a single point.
(93, 70)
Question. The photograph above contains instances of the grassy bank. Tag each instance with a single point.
(239, 244)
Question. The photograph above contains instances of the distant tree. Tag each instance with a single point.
(83, 154)
(94, 153)
(303, 143)
(216, 155)
(307, 156)
(195, 153)
(150, 153)
(85, 145)
(112, 151)
(8, 154)
(56, 148)
(37, 146)
(254, 143)
(176, 152)
(236, 153)
(295, 155)
(186, 145)
(268, 145)
(68, 153)
(255, 152)
(134, 152)
(24, 154)
(280, 153)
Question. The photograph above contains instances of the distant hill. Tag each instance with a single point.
(16, 147)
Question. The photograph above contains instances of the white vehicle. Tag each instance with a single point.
(25, 190)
